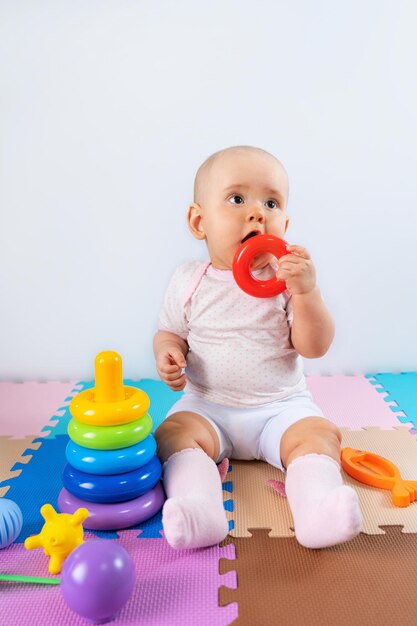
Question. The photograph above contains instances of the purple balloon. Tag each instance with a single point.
(97, 579)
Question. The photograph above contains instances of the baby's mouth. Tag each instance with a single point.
(253, 233)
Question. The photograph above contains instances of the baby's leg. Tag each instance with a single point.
(193, 515)
(325, 511)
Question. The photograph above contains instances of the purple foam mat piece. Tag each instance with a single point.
(351, 402)
(173, 587)
(25, 408)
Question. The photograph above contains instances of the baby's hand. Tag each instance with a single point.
(169, 364)
(297, 270)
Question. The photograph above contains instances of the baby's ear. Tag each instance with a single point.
(194, 220)
(287, 221)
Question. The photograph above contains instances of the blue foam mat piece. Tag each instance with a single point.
(401, 389)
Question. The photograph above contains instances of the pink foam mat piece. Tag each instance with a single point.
(351, 402)
(26, 408)
(173, 587)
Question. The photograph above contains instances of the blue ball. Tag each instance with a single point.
(11, 522)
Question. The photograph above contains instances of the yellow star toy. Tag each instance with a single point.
(60, 535)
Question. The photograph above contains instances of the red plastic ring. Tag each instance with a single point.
(242, 263)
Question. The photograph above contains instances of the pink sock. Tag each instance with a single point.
(193, 515)
(325, 511)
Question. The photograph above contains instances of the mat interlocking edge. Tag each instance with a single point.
(352, 402)
(400, 391)
(178, 587)
(30, 411)
(365, 415)
(370, 580)
(33, 408)
(173, 587)
(12, 451)
(257, 505)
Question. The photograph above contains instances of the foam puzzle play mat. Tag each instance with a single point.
(80, 514)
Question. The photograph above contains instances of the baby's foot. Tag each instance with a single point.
(325, 511)
(193, 522)
(337, 518)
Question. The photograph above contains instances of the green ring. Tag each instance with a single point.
(110, 437)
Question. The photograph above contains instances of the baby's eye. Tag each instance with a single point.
(273, 203)
(239, 199)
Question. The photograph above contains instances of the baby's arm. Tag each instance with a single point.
(170, 351)
(312, 329)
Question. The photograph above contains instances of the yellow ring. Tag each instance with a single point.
(85, 410)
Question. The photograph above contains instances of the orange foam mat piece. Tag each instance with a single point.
(257, 505)
(400, 447)
(11, 451)
(370, 580)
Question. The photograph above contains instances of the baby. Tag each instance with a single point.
(245, 392)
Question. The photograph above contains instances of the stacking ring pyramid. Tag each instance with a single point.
(112, 468)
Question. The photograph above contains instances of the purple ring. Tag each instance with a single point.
(116, 515)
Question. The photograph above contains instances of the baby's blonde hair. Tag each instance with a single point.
(205, 167)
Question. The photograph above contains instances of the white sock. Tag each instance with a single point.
(193, 515)
(325, 511)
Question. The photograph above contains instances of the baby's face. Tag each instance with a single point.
(243, 192)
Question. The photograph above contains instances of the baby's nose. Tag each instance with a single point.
(256, 215)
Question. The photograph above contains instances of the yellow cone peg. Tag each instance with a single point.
(60, 535)
(109, 378)
(110, 402)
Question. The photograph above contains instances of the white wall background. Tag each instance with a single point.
(109, 106)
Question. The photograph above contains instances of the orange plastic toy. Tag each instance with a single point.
(374, 470)
(242, 261)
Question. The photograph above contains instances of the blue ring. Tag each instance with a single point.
(114, 488)
(111, 461)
